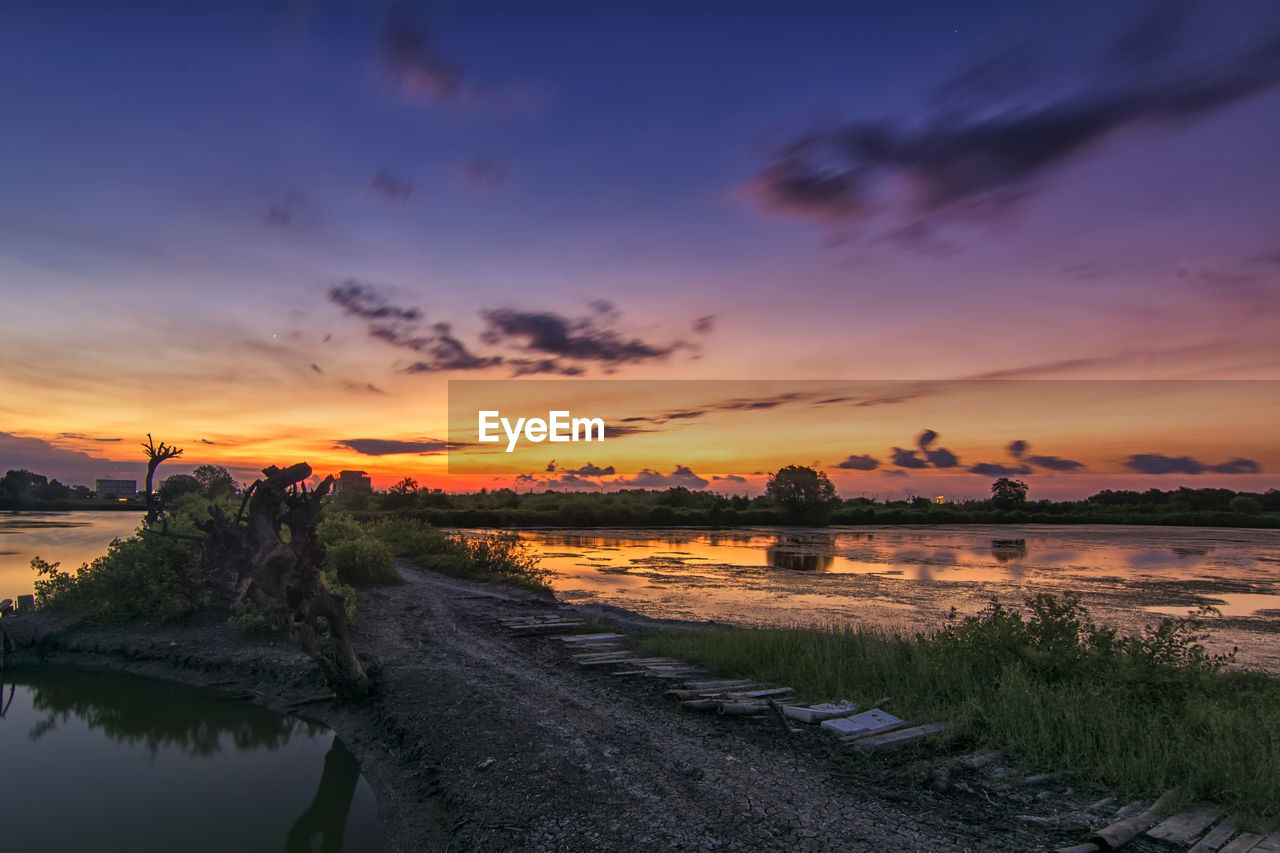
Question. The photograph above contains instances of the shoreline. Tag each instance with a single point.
(580, 760)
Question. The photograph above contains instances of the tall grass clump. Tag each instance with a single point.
(1141, 712)
(490, 557)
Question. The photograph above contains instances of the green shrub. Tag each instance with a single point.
(409, 537)
(143, 577)
(337, 527)
(361, 561)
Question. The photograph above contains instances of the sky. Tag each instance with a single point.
(275, 231)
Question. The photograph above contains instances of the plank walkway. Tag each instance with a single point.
(1202, 828)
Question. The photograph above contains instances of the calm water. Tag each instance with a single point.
(70, 538)
(91, 761)
(912, 576)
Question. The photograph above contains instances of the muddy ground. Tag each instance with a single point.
(477, 739)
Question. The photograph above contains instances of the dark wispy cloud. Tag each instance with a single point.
(567, 481)
(995, 469)
(705, 325)
(392, 447)
(1018, 450)
(78, 436)
(391, 186)
(1158, 463)
(938, 457)
(579, 339)
(291, 209)
(590, 470)
(730, 478)
(907, 458)
(650, 479)
(414, 63)
(859, 463)
(528, 342)
(315, 367)
(445, 351)
(369, 303)
(69, 466)
(981, 158)
(1055, 463)
(482, 172)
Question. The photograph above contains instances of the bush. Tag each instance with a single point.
(143, 577)
(408, 537)
(361, 562)
(502, 554)
(337, 527)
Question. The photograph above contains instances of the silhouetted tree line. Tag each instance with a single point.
(680, 506)
(23, 489)
(20, 489)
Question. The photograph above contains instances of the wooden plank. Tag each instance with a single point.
(1122, 832)
(1244, 842)
(701, 704)
(857, 736)
(1217, 837)
(1186, 826)
(726, 685)
(590, 638)
(757, 694)
(606, 661)
(743, 708)
(1270, 844)
(890, 739)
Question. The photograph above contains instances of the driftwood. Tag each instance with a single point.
(250, 558)
(270, 557)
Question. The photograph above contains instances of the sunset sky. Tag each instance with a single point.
(274, 231)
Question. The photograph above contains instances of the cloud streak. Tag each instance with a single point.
(953, 167)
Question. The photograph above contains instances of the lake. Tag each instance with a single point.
(911, 576)
(70, 538)
(897, 576)
(108, 762)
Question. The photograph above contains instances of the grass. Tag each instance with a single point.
(497, 558)
(1141, 713)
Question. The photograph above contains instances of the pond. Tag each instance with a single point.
(106, 762)
(69, 538)
(911, 576)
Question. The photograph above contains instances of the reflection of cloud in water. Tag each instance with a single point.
(1152, 559)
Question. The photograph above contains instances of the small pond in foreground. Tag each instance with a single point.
(107, 762)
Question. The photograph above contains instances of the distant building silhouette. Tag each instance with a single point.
(116, 488)
(354, 481)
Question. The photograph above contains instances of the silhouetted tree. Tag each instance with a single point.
(175, 486)
(215, 481)
(1009, 494)
(805, 493)
(406, 485)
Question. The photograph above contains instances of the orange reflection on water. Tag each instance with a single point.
(913, 576)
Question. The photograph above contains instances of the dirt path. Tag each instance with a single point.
(481, 740)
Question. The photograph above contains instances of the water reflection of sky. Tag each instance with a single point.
(914, 575)
(106, 762)
(69, 538)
